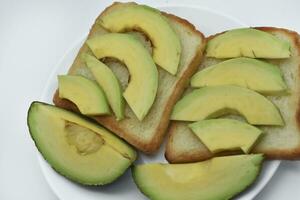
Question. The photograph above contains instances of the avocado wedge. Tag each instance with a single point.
(247, 42)
(86, 94)
(227, 99)
(121, 17)
(109, 83)
(226, 134)
(250, 73)
(142, 87)
(77, 148)
(220, 178)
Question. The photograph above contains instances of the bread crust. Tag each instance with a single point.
(192, 156)
(290, 154)
(110, 122)
(200, 154)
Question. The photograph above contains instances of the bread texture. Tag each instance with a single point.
(146, 135)
(276, 142)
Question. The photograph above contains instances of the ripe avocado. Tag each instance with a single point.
(109, 83)
(141, 90)
(247, 42)
(77, 148)
(214, 101)
(122, 17)
(226, 134)
(220, 178)
(250, 73)
(84, 93)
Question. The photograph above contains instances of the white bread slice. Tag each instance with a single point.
(277, 142)
(148, 134)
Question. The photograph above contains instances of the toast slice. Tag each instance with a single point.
(276, 142)
(146, 135)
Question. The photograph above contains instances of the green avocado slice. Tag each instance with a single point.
(226, 134)
(220, 178)
(77, 148)
(250, 73)
(142, 87)
(109, 83)
(84, 93)
(166, 44)
(247, 42)
(214, 101)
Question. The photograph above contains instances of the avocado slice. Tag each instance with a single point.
(141, 90)
(214, 101)
(77, 148)
(84, 93)
(109, 83)
(226, 134)
(247, 42)
(166, 44)
(250, 73)
(217, 179)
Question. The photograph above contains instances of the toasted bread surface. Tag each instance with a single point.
(276, 142)
(146, 135)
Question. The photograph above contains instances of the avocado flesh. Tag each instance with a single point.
(214, 101)
(142, 87)
(247, 42)
(226, 134)
(130, 16)
(250, 73)
(109, 83)
(77, 148)
(220, 178)
(84, 93)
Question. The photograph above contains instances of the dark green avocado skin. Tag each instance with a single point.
(30, 125)
(30, 110)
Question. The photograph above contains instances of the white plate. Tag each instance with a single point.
(209, 22)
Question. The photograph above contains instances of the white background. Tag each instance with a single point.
(33, 37)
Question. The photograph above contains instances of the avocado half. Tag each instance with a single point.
(77, 148)
(220, 178)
